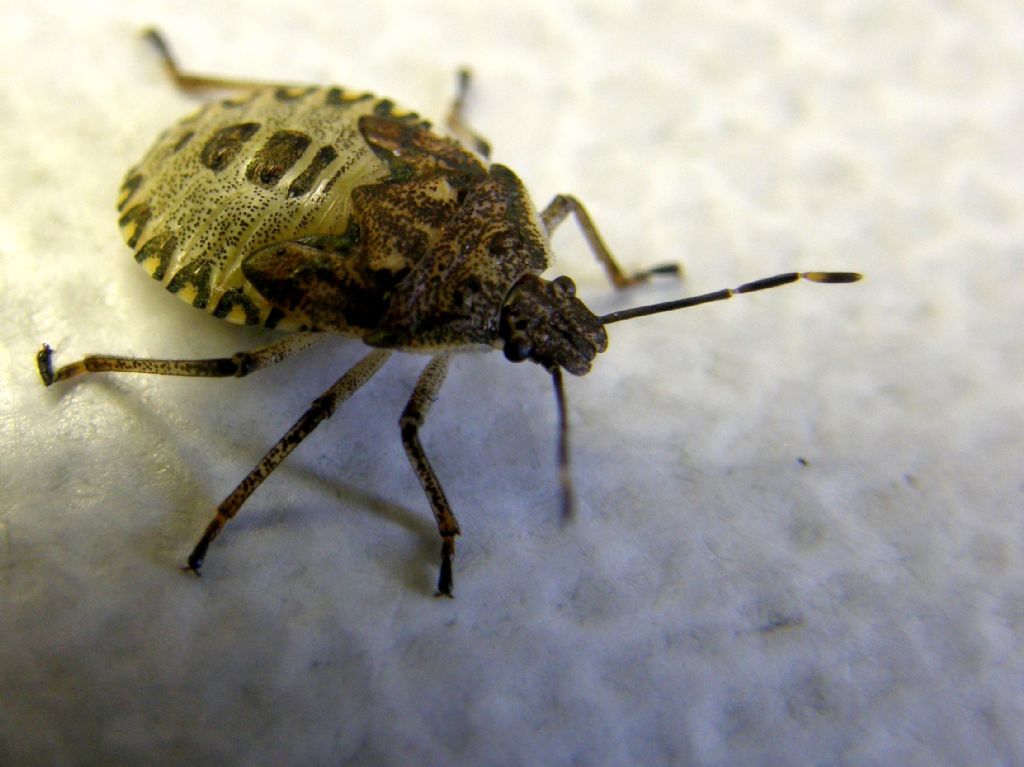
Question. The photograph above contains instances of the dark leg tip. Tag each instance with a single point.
(444, 578)
(665, 270)
(660, 270)
(44, 361)
(444, 581)
(154, 38)
(195, 559)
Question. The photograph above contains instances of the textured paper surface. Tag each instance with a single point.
(717, 601)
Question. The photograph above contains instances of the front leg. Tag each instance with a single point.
(564, 204)
(415, 413)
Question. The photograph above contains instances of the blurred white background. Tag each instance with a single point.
(716, 601)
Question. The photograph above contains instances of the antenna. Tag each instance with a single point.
(720, 295)
(564, 468)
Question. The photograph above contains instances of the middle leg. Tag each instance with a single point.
(412, 419)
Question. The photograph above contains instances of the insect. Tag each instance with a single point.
(320, 210)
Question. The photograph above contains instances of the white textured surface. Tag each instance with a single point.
(715, 602)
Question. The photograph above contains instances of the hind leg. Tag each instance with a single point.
(238, 365)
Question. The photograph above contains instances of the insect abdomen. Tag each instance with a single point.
(273, 165)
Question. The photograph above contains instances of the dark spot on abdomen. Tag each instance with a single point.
(198, 274)
(128, 188)
(277, 156)
(236, 297)
(137, 217)
(225, 145)
(183, 141)
(159, 249)
(308, 178)
(336, 97)
(294, 93)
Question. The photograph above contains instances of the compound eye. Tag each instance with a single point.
(516, 351)
(565, 284)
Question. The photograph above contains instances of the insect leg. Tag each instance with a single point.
(564, 204)
(191, 82)
(415, 413)
(457, 119)
(321, 409)
(238, 365)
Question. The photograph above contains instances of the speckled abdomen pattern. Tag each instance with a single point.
(273, 165)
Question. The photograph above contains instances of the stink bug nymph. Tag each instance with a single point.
(322, 210)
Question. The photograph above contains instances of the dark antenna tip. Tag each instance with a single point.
(765, 283)
(833, 277)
